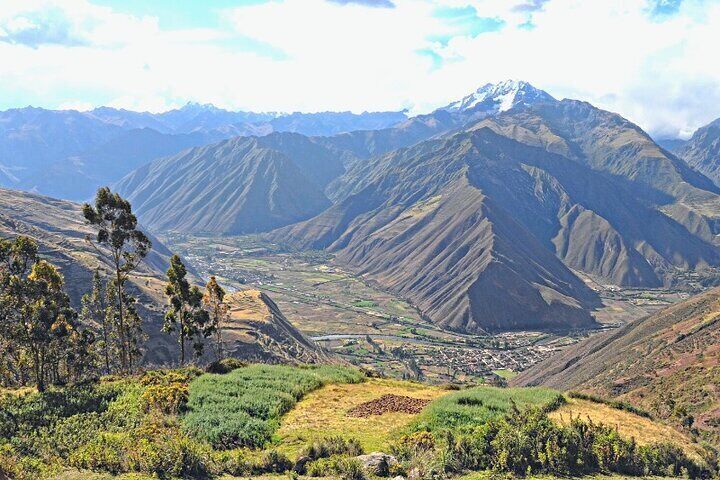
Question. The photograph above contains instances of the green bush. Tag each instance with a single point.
(346, 468)
(329, 446)
(525, 442)
(233, 462)
(169, 399)
(226, 365)
(153, 449)
(243, 408)
(272, 461)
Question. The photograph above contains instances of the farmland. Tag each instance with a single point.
(375, 329)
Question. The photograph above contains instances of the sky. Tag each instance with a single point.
(653, 61)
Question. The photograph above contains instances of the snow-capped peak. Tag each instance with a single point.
(500, 97)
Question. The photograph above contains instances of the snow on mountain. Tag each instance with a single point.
(500, 97)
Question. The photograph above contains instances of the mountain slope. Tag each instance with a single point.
(257, 331)
(59, 228)
(556, 179)
(418, 223)
(667, 363)
(702, 151)
(236, 186)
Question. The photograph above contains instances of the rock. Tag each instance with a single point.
(378, 463)
(414, 474)
(399, 477)
(301, 465)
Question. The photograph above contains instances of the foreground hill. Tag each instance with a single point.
(667, 363)
(258, 332)
(702, 151)
(259, 421)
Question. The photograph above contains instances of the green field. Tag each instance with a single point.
(466, 409)
(243, 408)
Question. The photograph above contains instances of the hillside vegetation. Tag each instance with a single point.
(667, 364)
(183, 423)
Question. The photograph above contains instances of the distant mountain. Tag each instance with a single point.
(69, 154)
(671, 144)
(667, 363)
(702, 151)
(494, 98)
(470, 226)
(241, 185)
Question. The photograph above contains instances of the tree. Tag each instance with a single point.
(35, 312)
(185, 313)
(117, 231)
(95, 312)
(219, 312)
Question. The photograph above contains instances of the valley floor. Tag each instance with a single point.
(373, 328)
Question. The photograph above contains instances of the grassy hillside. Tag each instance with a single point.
(261, 420)
(668, 364)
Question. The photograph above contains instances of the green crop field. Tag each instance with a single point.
(243, 408)
(469, 408)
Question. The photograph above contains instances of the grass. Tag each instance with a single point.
(506, 373)
(243, 408)
(469, 408)
(323, 413)
(628, 424)
(364, 304)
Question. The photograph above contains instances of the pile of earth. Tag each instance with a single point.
(387, 404)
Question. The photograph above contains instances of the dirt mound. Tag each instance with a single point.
(387, 404)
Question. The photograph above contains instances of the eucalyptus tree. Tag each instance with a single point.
(119, 239)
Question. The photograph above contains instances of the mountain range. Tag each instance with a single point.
(479, 213)
(69, 154)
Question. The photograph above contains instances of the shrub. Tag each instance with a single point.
(346, 468)
(243, 407)
(273, 462)
(233, 462)
(169, 399)
(167, 377)
(329, 446)
(226, 365)
(410, 446)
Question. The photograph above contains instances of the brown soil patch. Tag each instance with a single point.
(387, 404)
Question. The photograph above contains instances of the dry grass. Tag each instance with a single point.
(642, 429)
(323, 413)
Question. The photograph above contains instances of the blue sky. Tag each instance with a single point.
(646, 59)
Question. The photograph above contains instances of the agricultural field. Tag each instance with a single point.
(365, 325)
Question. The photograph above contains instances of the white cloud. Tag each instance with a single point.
(315, 55)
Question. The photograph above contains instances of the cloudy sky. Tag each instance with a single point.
(654, 61)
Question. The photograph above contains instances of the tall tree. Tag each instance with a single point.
(117, 231)
(185, 313)
(95, 312)
(213, 301)
(35, 313)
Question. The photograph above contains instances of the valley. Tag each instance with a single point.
(373, 328)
